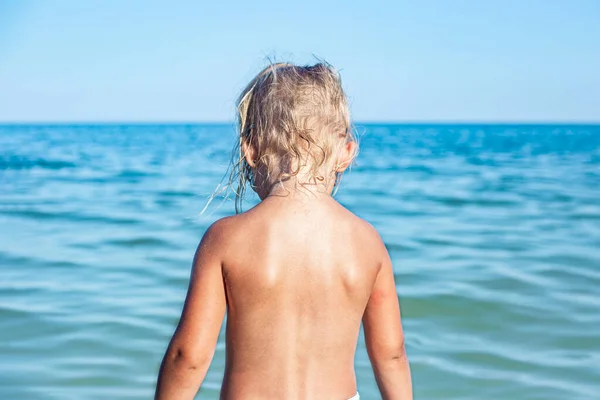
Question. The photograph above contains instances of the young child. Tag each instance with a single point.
(298, 272)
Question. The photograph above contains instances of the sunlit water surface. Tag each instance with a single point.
(494, 232)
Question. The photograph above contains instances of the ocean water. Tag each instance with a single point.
(494, 231)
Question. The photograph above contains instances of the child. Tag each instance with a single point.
(298, 272)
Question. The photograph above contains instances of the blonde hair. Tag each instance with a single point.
(293, 118)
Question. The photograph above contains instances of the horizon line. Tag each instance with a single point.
(365, 122)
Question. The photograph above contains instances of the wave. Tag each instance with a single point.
(15, 162)
(42, 215)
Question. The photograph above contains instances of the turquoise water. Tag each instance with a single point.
(494, 232)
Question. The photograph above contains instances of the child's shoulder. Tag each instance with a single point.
(224, 227)
(227, 230)
(361, 228)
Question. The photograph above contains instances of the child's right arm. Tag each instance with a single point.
(384, 336)
(192, 347)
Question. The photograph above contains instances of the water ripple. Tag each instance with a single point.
(493, 232)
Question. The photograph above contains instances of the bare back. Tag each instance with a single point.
(298, 277)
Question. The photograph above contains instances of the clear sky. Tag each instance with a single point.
(425, 60)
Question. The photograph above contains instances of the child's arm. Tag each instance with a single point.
(192, 347)
(384, 337)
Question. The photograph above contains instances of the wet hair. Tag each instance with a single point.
(294, 119)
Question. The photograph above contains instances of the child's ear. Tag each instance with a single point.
(346, 156)
(249, 154)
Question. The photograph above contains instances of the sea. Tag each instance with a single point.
(493, 230)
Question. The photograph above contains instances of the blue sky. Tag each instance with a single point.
(527, 60)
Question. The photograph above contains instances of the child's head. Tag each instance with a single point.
(294, 128)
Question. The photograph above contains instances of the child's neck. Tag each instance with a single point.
(292, 189)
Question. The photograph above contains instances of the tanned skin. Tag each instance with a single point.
(296, 274)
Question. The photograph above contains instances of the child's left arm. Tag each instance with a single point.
(192, 347)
